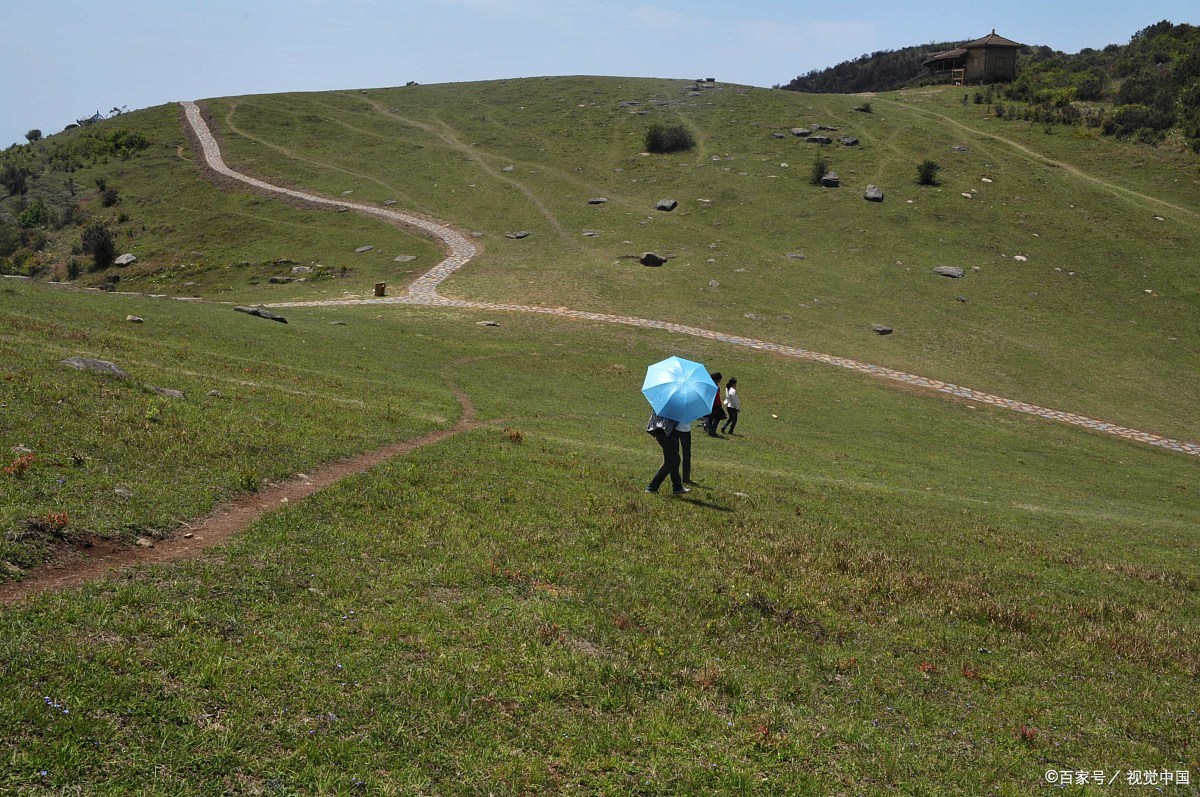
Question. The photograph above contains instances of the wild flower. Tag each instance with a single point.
(19, 465)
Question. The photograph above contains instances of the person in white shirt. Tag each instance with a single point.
(732, 404)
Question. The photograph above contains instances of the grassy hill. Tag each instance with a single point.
(874, 590)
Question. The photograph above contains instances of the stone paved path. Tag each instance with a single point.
(423, 291)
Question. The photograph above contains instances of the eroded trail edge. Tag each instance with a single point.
(90, 560)
(423, 291)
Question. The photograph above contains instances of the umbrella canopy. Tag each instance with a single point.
(679, 389)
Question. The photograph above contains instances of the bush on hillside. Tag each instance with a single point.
(35, 214)
(33, 135)
(97, 241)
(662, 139)
(820, 168)
(927, 172)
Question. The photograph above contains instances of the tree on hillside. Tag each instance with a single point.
(33, 135)
(14, 178)
(97, 241)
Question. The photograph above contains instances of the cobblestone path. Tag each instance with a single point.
(423, 291)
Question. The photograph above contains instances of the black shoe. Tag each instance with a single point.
(649, 490)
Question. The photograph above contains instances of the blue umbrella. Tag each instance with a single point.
(679, 389)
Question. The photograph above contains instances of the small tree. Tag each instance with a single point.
(35, 214)
(14, 179)
(662, 139)
(109, 197)
(33, 135)
(97, 241)
(927, 172)
(820, 168)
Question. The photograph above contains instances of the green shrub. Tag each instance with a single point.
(35, 214)
(865, 107)
(927, 172)
(820, 168)
(97, 241)
(109, 197)
(662, 139)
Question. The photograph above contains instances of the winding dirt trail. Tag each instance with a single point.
(424, 292)
(89, 559)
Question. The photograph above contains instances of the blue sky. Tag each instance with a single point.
(68, 58)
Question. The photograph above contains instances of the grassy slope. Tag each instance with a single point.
(874, 591)
(1028, 330)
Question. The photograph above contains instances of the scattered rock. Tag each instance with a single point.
(873, 194)
(968, 195)
(518, 234)
(90, 364)
(347, 193)
(145, 542)
(778, 135)
(651, 259)
(404, 258)
(628, 104)
(959, 148)
(597, 200)
(666, 205)
(822, 127)
(954, 272)
(123, 492)
(880, 329)
(281, 280)
(819, 140)
(261, 312)
(962, 299)
(590, 233)
(797, 256)
(135, 319)
(125, 260)
(802, 132)
(362, 249)
(849, 141)
(389, 202)
(168, 392)
(487, 323)
(830, 180)
(714, 284)
(1020, 258)
(985, 179)
(508, 169)
(301, 269)
(215, 394)
(13, 569)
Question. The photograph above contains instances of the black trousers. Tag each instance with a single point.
(732, 422)
(685, 448)
(670, 466)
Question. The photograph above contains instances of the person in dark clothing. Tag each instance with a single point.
(664, 432)
(684, 432)
(718, 412)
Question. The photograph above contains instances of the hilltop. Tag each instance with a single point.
(1143, 89)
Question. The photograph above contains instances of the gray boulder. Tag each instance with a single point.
(91, 364)
(802, 132)
(651, 259)
(169, 392)
(519, 234)
(666, 204)
(797, 256)
(135, 319)
(880, 329)
(954, 272)
(362, 249)
(819, 140)
(261, 312)
(849, 141)
(597, 200)
(281, 280)
(125, 260)
(873, 194)
(830, 180)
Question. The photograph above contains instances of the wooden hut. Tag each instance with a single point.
(988, 60)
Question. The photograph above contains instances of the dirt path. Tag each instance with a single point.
(423, 291)
(90, 559)
(1039, 158)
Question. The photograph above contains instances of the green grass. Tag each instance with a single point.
(1032, 330)
(873, 592)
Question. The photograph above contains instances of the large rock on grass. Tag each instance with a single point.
(125, 260)
(261, 312)
(830, 180)
(651, 259)
(954, 272)
(873, 194)
(666, 205)
(91, 364)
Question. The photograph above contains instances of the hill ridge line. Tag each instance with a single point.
(423, 291)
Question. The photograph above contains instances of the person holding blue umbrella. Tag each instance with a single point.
(679, 392)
